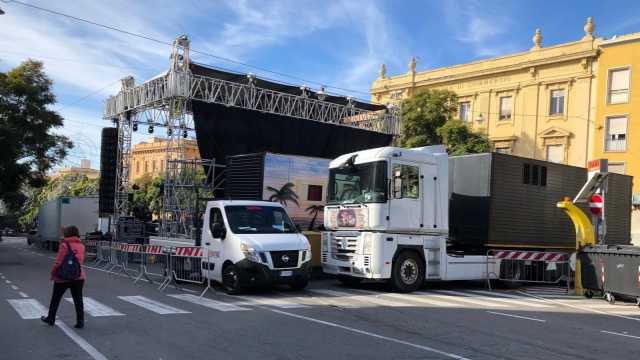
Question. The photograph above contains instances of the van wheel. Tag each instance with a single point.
(299, 284)
(588, 294)
(407, 273)
(231, 279)
(610, 298)
(349, 280)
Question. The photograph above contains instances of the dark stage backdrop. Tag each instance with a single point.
(223, 131)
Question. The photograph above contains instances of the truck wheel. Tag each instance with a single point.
(299, 284)
(407, 273)
(231, 279)
(638, 301)
(349, 280)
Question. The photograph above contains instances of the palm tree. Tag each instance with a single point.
(314, 210)
(284, 194)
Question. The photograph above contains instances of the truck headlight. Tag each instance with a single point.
(249, 253)
(306, 255)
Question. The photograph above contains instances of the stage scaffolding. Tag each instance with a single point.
(164, 102)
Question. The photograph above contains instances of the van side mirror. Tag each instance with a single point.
(218, 231)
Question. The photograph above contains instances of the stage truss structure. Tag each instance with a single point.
(164, 102)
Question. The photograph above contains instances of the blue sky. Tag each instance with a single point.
(337, 43)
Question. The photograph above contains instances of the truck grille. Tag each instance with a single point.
(278, 258)
(343, 247)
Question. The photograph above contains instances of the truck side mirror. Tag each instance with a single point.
(218, 231)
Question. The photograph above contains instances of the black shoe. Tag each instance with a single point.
(48, 321)
(79, 325)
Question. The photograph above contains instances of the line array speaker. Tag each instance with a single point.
(108, 164)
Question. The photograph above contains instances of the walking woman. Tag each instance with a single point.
(67, 273)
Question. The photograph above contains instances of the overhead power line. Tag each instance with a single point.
(149, 38)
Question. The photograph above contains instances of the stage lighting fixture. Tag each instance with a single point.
(184, 134)
(150, 129)
(169, 131)
(135, 126)
(322, 94)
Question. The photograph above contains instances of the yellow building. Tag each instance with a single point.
(83, 169)
(617, 121)
(149, 157)
(538, 103)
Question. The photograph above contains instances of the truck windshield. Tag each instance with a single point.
(358, 183)
(254, 219)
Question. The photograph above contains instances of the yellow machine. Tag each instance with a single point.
(584, 234)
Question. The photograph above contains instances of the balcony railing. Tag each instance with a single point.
(615, 145)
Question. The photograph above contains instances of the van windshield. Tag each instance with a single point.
(255, 219)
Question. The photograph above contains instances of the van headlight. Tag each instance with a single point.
(249, 253)
(306, 255)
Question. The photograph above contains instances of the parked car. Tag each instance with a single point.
(8, 232)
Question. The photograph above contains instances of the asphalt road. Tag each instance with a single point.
(326, 321)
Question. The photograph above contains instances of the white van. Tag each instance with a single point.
(253, 243)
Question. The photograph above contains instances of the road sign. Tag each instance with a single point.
(596, 204)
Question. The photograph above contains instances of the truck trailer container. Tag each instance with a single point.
(65, 211)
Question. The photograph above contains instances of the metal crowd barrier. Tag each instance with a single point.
(185, 263)
(103, 252)
(91, 248)
(154, 263)
(529, 267)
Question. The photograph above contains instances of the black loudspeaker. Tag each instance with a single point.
(108, 164)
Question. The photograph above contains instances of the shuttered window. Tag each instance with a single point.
(556, 106)
(618, 86)
(555, 153)
(616, 134)
(505, 107)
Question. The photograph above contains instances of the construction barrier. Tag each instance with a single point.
(529, 267)
(103, 253)
(154, 264)
(91, 249)
(185, 264)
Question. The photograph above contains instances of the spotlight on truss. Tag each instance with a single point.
(184, 134)
(169, 131)
(135, 126)
(150, 129)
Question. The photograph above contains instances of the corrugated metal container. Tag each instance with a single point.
(500, 200)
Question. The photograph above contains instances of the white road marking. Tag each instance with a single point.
(152, 305)
(461, 299)
(619, 334)
(96, 309)
(516, 316)
(580, 308)
(23, 294)
(367, 333)
(28, 308)
(521, 302)
(264, 300)
(507, 295)
(93, 352)
(15, 287)
(420, 299)
(360, 298)
(206, 302)
(8, 281)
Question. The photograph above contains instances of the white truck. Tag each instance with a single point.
(387, 217)
(250, 243)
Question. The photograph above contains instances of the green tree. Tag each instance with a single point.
(284, 194)
(460, 140)
(428, 118)
(29, 148)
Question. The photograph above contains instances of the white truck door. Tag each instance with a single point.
(212, 242)
(406, 189)
(429, 190)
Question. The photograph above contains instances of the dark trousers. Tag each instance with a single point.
(59, 288)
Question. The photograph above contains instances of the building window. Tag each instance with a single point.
(146, 167)
(618, 86)
(153, 166)
(616, 134)
(396, 95)
(555, 153)
(505, 107)
(504, 150)
(161, 165)
(534, 175)
(465, 111)
(616, 167)
(556, 106)
(137, 167)
(314, 193)
(406, 183)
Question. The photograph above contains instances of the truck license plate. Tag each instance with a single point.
(286, 273)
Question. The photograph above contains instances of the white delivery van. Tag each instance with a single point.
(253, 243)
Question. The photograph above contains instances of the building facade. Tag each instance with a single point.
(148, 158)
(536, 104)
(83, 169)
(617, 126)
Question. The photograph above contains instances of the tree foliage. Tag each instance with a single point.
(29, 148)
(428, 118)
(147, 197)
(68, 185)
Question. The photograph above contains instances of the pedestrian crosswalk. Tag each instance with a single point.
(184, 304)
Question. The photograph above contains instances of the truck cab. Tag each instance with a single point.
(387, 215)
(253, 243)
